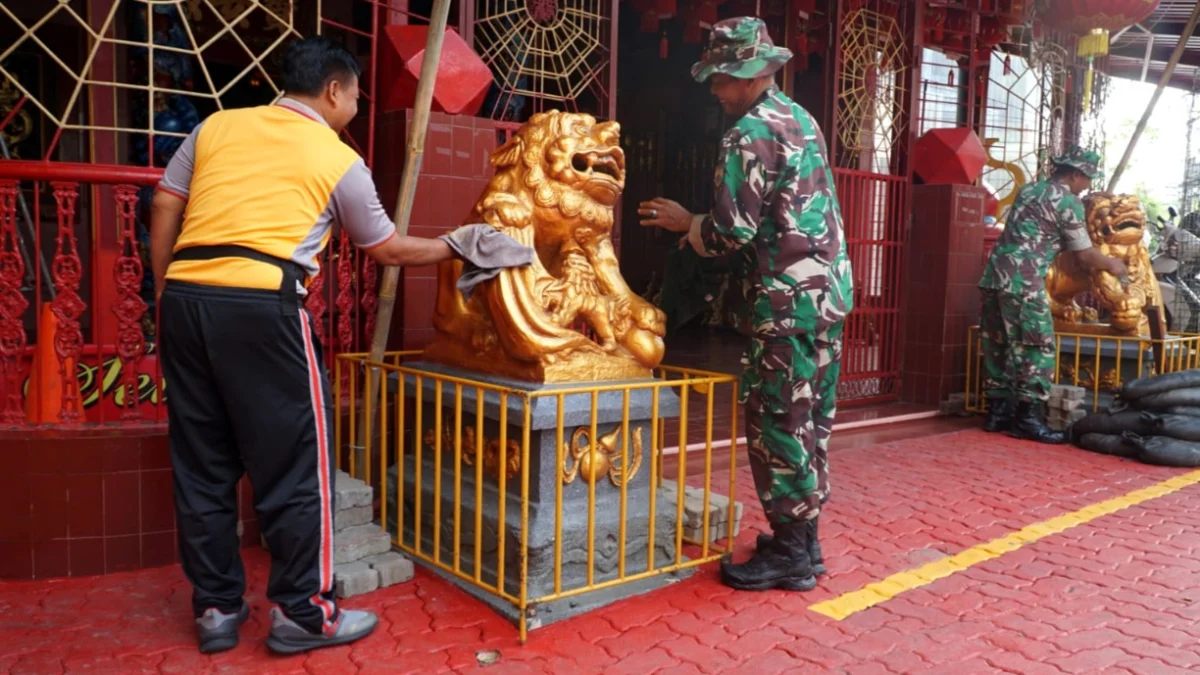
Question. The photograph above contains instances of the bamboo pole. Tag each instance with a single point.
(408, 189)
(1162, 84)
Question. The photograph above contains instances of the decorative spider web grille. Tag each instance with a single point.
(176, 35)
(874, 62)
(547, 50)
(148, 71)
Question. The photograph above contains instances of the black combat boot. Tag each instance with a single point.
(999, 415)
(784, 564)
(1029, 424)
(814, 547)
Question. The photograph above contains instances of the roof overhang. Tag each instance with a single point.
(1141, 52)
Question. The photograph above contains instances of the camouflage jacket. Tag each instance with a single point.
(776, 211)
(1045, 217)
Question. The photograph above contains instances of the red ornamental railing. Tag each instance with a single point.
(77, 324)
(873, 218)
(12, 306)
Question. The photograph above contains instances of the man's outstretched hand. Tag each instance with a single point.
(664, 213)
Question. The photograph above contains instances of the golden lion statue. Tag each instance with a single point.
(557, 180)
(1115, 224)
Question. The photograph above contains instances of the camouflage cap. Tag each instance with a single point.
(741, 48)
(1086, 161)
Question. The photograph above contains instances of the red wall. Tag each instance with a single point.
(94, 504)
(454, 172)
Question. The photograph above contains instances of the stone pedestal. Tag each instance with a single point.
(1086, 351)
(545, 476)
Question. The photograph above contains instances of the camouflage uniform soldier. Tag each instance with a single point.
(776, 216)
(1017, 330)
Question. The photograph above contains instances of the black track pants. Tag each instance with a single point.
(248, 394)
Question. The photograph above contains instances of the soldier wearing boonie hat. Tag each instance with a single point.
(740, 48)
(1017, 329)
(776, 217)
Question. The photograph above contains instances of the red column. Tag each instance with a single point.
(104, 234)
(944, 267)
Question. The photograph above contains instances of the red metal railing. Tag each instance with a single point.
(873, 208)
(70, 263)
(77, 323)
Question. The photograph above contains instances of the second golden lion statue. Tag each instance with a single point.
(1115, 224)
(557, 181)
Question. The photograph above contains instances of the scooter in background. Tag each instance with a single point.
(1176, 264)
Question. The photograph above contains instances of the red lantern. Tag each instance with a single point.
(992, 32)
(935, 25)
(1092, 20)
(809, 39)
(649, 22)
(693, 33)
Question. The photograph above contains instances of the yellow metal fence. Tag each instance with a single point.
(1098, 363)
(398, 437)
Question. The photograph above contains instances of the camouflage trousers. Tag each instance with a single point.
(789, 388)
(1018, 345)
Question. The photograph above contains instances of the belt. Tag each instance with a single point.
(293, 273)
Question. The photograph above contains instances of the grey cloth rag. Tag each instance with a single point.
(485, 251)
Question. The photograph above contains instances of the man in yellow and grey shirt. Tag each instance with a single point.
(243, 210)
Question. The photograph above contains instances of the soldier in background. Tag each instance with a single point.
(1017, 329)
(776, 216)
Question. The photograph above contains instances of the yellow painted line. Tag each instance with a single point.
(881, 591)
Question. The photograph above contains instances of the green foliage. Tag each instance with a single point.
(1150, 204)
(1153, 209)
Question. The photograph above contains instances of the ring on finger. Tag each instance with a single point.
(653, 213)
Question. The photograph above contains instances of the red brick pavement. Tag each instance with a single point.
(1119, 594)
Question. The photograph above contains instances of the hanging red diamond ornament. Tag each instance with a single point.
(1093, 20)
(463, 78)
(953, 156)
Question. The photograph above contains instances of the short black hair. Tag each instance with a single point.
(311, 62)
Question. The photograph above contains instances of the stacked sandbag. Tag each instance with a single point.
(1143, 388)
(1155, 420)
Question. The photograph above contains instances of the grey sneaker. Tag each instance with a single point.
(289, 638)
(219, 632)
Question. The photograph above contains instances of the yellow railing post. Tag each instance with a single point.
(523, 555)
(503, 492)
(1171, 354)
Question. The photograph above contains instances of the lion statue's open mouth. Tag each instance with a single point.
(1121, 226)
(602, 172)
(608, 165)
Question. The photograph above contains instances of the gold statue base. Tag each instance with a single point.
(577, 368)
(1101, 329)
